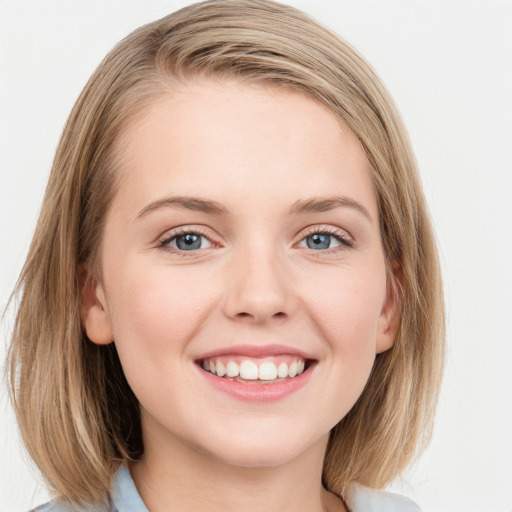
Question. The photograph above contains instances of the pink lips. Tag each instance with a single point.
(254, 391)
(256, 351)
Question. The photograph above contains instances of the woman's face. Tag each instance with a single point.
(244, 237)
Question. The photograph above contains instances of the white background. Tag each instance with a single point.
(448, 64)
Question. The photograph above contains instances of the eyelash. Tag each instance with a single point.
(341, 236)
(168, 238)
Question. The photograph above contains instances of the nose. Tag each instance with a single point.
(260, 288)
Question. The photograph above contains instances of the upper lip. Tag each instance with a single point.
(256, 351)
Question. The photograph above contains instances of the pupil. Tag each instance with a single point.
(189, 241)
(318, 241)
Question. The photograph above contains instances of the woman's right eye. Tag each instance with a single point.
(189, 241)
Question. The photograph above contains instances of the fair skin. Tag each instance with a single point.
(245, 228)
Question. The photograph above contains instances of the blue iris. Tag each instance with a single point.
(188, 242)
(318, 241)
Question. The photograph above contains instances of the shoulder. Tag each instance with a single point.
(124, 498)
(364, 499)
(61, 506)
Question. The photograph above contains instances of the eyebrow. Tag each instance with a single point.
(325, 204)
(189, 203)
(311, 205)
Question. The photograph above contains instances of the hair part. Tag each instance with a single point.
(77, 414)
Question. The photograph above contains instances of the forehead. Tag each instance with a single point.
(212, 136)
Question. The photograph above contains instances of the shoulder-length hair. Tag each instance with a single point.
(78, 417)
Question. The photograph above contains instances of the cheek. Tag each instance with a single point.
(155, 313)
(155, 310)
(347, 308)
(343, 305)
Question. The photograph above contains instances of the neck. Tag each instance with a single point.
(179, 476)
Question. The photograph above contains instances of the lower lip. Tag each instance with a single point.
(254, 392)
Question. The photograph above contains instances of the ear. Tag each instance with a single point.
(389, 320)
(93, 308)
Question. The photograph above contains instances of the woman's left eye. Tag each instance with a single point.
(322, 241)
(187, 242)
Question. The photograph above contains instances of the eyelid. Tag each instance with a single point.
(346, 239)
(170, 234)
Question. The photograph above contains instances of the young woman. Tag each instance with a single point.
(232, 300)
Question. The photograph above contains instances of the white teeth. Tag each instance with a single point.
(292, 370)
(249, 370)
(282, 370)
(232, 369)
(221, 369)
(267, 371)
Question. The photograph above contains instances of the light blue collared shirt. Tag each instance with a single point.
(126, 498)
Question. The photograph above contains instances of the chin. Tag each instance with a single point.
(264, 450)
(257, 457)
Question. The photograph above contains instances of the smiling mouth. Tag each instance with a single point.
(253, 371)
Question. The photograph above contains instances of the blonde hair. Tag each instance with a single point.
(77, 415)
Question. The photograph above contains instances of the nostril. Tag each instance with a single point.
(244, 314)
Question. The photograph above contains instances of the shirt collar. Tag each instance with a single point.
(125, 496)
